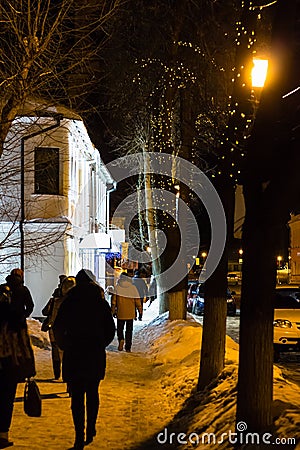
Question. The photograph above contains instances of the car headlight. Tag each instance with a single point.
(282, 323)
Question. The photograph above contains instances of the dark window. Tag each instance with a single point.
(46, 170)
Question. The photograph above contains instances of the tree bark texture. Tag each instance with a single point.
(215, 306)
(255, 379)
(271, 191)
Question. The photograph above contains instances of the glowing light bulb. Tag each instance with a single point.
(259, 72)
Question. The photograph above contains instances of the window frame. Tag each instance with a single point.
(46, 172)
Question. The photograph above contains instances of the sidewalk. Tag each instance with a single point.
(147, 403)
(129, 395)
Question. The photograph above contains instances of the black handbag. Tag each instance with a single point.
(32, 399)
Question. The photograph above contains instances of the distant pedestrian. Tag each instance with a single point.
(142, 288)
(21, 297)
(152, 292)
(83, 328)
(57, 291)
(51, 310)
(16, 354)
(125, 303)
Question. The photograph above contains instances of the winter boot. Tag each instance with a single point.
(121, 345)
(79, 442)
(77, 446)
(56, 369)
(90, 434)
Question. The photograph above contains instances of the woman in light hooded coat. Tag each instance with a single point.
(125, 303)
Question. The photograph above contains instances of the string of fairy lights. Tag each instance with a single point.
(232, 145)
(164, 117)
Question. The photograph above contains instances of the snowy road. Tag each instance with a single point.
(289, 362)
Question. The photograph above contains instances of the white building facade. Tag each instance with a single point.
(54, 203)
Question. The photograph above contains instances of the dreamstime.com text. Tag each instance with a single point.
(240, 437)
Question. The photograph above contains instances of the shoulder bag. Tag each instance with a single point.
(32, 399)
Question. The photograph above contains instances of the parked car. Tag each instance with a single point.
(289, 291)
(197, 301)
(286, 322)
(283, 275)
(234, 278)
(191, 294)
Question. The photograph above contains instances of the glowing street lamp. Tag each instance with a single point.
(241, 256)
(259, 72)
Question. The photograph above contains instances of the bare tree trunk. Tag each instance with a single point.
(140, 216)
(255, 379)
(215, 306)
(271, 192)
(213, 340)
(178, 309)
(151, 220)
(215, 309)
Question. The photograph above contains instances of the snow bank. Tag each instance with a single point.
(174, 348)
(38, 338)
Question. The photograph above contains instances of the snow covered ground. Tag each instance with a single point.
(149, 394)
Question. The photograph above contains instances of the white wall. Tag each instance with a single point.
(74, 205)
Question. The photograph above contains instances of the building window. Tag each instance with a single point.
(46, 170)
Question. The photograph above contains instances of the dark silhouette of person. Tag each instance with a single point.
(16, 354)
(142, 288)
(21, 299)
(125, 302)
(51, 310)
(152, 291)
(83, 328)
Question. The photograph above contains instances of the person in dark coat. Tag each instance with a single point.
(141, 286)
(152, 292)
(21, 300)
(16, 354)
(83, 328)
(51, 310)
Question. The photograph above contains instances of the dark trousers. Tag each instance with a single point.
(85, 396)
(128, 332)
(142, 305)
(7, 395)
(57, 355)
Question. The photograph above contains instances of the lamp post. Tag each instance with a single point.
(240, 259)
(279, 261)
(203, 257)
